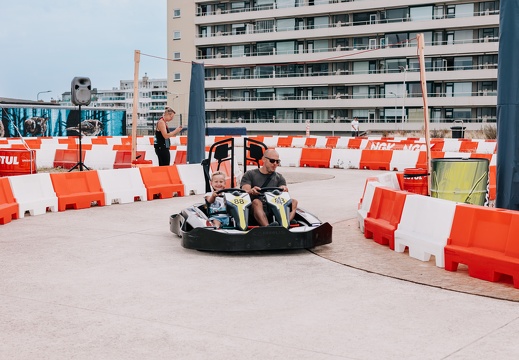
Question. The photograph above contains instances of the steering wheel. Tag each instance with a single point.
(274, 190)
(234, 191)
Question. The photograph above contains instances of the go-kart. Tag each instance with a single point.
(243, 234)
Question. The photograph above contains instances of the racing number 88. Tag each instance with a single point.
(238, 201)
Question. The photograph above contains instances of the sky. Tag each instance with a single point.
(46, 43)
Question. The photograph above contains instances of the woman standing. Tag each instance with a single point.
(162, 136)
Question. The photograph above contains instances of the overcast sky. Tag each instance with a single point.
(44, 44)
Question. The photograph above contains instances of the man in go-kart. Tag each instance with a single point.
(265, 176)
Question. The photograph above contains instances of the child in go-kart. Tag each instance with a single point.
(216, 209)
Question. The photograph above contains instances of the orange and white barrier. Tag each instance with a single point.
(122, 186)
(34, 193)
(424, 227)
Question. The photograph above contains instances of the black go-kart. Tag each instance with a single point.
(243, 234)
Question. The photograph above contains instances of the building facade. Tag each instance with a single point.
(287, 63)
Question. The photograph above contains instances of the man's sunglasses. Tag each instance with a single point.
(273, 161)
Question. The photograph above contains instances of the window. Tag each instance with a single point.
(463, 89)
(286, 24)
(397, 40)
(176, 77)
(176, 13)
(463, 63)
(176, 56)
(361, 67)
(238, 29)
(421, 13)
(464, 10)
(176, 35)
(286, 47)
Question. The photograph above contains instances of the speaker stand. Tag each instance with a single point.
(80, 164)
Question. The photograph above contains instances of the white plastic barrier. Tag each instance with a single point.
(402, 159)
(454, 154)
(424, 227)
(122, 186)
(451, 145)
(144, 140)
(100, 157)
(345, 158)
(299, 142)
(150, 155)
(367, 198)
(389, 180)
(34, 193)
(290, 156)
(271, 141)
(45, 155)
(343, 142)
(192, 176)
(209, 140)
(486, 147)
(321, 142)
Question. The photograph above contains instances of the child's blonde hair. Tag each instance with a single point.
(218, 173)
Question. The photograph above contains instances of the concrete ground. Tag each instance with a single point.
(114, 283)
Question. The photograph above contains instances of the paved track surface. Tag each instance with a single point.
(114, 283)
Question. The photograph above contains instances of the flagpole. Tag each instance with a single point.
(136, 59)
(423, 84)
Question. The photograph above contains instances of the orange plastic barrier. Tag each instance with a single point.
(123, 158)
(331, 141)
(161, 182)
(67, 140)
(31, 143)
(76, 146)
(183, 140)
(415, 181)
(319, 158)
(437, 144)
(100, 140)
(221, 137)
(119, 147)
(285, 141)
(180, 157)
(422, 158)
(67, 158)
(364, 190)
(384, 215)
(354, 143)
(310, 142)
(484, 239)
(375, 159)
(8, 205)
(77, 190)
(468, 146)
(126, 141)
(492, 182)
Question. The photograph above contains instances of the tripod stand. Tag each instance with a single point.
(79, 164)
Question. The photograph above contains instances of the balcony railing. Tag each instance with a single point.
(377, 21)
(339, 48)
(339, 96)
(348, 72)
(301, 3)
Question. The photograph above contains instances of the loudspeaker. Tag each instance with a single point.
(80, 91)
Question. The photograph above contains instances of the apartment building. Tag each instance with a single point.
(283, 64)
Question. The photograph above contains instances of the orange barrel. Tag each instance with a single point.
(415, 180)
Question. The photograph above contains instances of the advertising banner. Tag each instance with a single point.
(17, 162)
